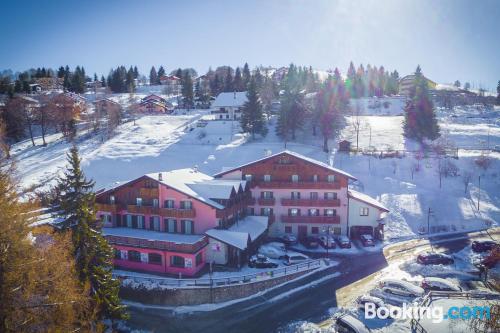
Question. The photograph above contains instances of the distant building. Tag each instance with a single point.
(172, 84)
(106, 105)
(50, 83)
(228, 105)
(345, 146)
(155, 104)
(407, 82)
(366, 215)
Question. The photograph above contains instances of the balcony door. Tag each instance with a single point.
(302, 231)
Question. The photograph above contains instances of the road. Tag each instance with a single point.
(263, 314)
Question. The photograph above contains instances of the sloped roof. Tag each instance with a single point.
(238, 235)
(291, 153)
(366, 199)
(228, 99)
(152, 235)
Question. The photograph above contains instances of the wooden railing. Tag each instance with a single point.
(266, 201)
(106, 207)
(146, 192)
(310, 219)
(296, 185)
(155, 244)
(166, 212)
(311, 202)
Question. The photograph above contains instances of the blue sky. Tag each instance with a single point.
(450, 39)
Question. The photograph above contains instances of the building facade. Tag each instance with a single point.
(228, 105)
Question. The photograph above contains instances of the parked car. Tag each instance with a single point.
(346, 323)
(434, 283)
(483, 246)
(344, 242)
(367, 240)
(289, 239)
(327, 241)
(273, 250)
(362, 300)
(400, 287)
(432, 258)
(310, 242)
(293, 258)
(261, 261)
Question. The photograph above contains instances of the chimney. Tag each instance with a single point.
(195, 168)
(160, 176)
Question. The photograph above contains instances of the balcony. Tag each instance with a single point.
(166, 212)
(147, 192)
(266, 201)
(311, 202)
(296, 185)
(157, 244)
(106, 208)
(311, 219)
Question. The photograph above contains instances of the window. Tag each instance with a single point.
(314, 230)
(155, 203)
(248, 178)
(105, 218)
(331, 178)
(117, 254)
(186, 205)
(176, 261)
(330, 212)
(295, 195)
(129, 220)
(266, 211)
(315, 178)
(138, 201)
(154, 258)
(266, 195)
(118, 220)
(187, 227)
(112, 199)
(250, 211)
(168, 204)
(288, 229)
(337, 230)
(267, 178)
(313, 212)
(330, 195)
(171, 226)
(140, 221)
(314, 195)
(295, 178)
(198, 259)
(294, 212)
(363, 211)
(134, 256)
(154, 223)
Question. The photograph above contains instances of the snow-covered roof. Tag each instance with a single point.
(152, 235)
(217, 188)
(249, 228)
(230, 99)
(366, 199)
(292, 153)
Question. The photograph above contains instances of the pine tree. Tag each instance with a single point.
(129, 81)
(92, 252)
(161, 72)
(252, 118)
(238, 80)
(95, 77)
(498, 93)
(228, 81)
(187, 90)
(153, 76)
(103, 81)
(420, 121)
(247, 76)
(292, 113)
(136, 72)
(60, 72)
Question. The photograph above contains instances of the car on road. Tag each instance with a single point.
(310, 242)
(362, 300)
(293, 258)
(346, 323)
(261, 261)
(483, 246)
(433, 258)
(273, 250)
(401, 288)
(434, 283)
(344, 242)
(289, 239)
(328, 242)
(367, 240)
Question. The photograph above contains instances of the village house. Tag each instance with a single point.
(177, 222)
(406, 84)
(228, 105)
(172, 84)
(106, 106)
(155, 104)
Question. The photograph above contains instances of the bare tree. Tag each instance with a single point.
(413, 168)
(466, 178)
(356, 123)
(4, 141)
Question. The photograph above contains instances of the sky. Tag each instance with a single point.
(450, 39)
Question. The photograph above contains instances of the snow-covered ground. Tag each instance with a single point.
(169, 142)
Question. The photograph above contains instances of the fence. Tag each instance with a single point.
(223, 281)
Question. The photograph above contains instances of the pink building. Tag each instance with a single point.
(155, 104)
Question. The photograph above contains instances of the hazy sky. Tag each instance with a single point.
(451, 39)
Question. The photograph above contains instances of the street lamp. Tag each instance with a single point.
(327, 230)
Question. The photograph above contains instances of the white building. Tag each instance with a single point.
(228, 105)
(366, 215)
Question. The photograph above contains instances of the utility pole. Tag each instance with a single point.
(479, 194)
(429, 212)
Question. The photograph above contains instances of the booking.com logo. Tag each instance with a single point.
(436, 313)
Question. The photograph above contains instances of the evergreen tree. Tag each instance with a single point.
(238, 80)
(228, 81)
(179, 73)
(161, 72)
(247, 76)
(129, 81)
(92, 252)
(252, 118)
(292, 112)
(457, 84)
(420, 121)
(136, 72)
(187, 90)
(103, 81)
(498, 93)
(467, 86)
(61, 72)
(153, 76)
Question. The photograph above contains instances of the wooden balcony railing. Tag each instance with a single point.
(106, 208)
(266, 201)
(311, 202)
(310, 219)
(167, 212)
(155, 244)
(297, 185)
(146, 192)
